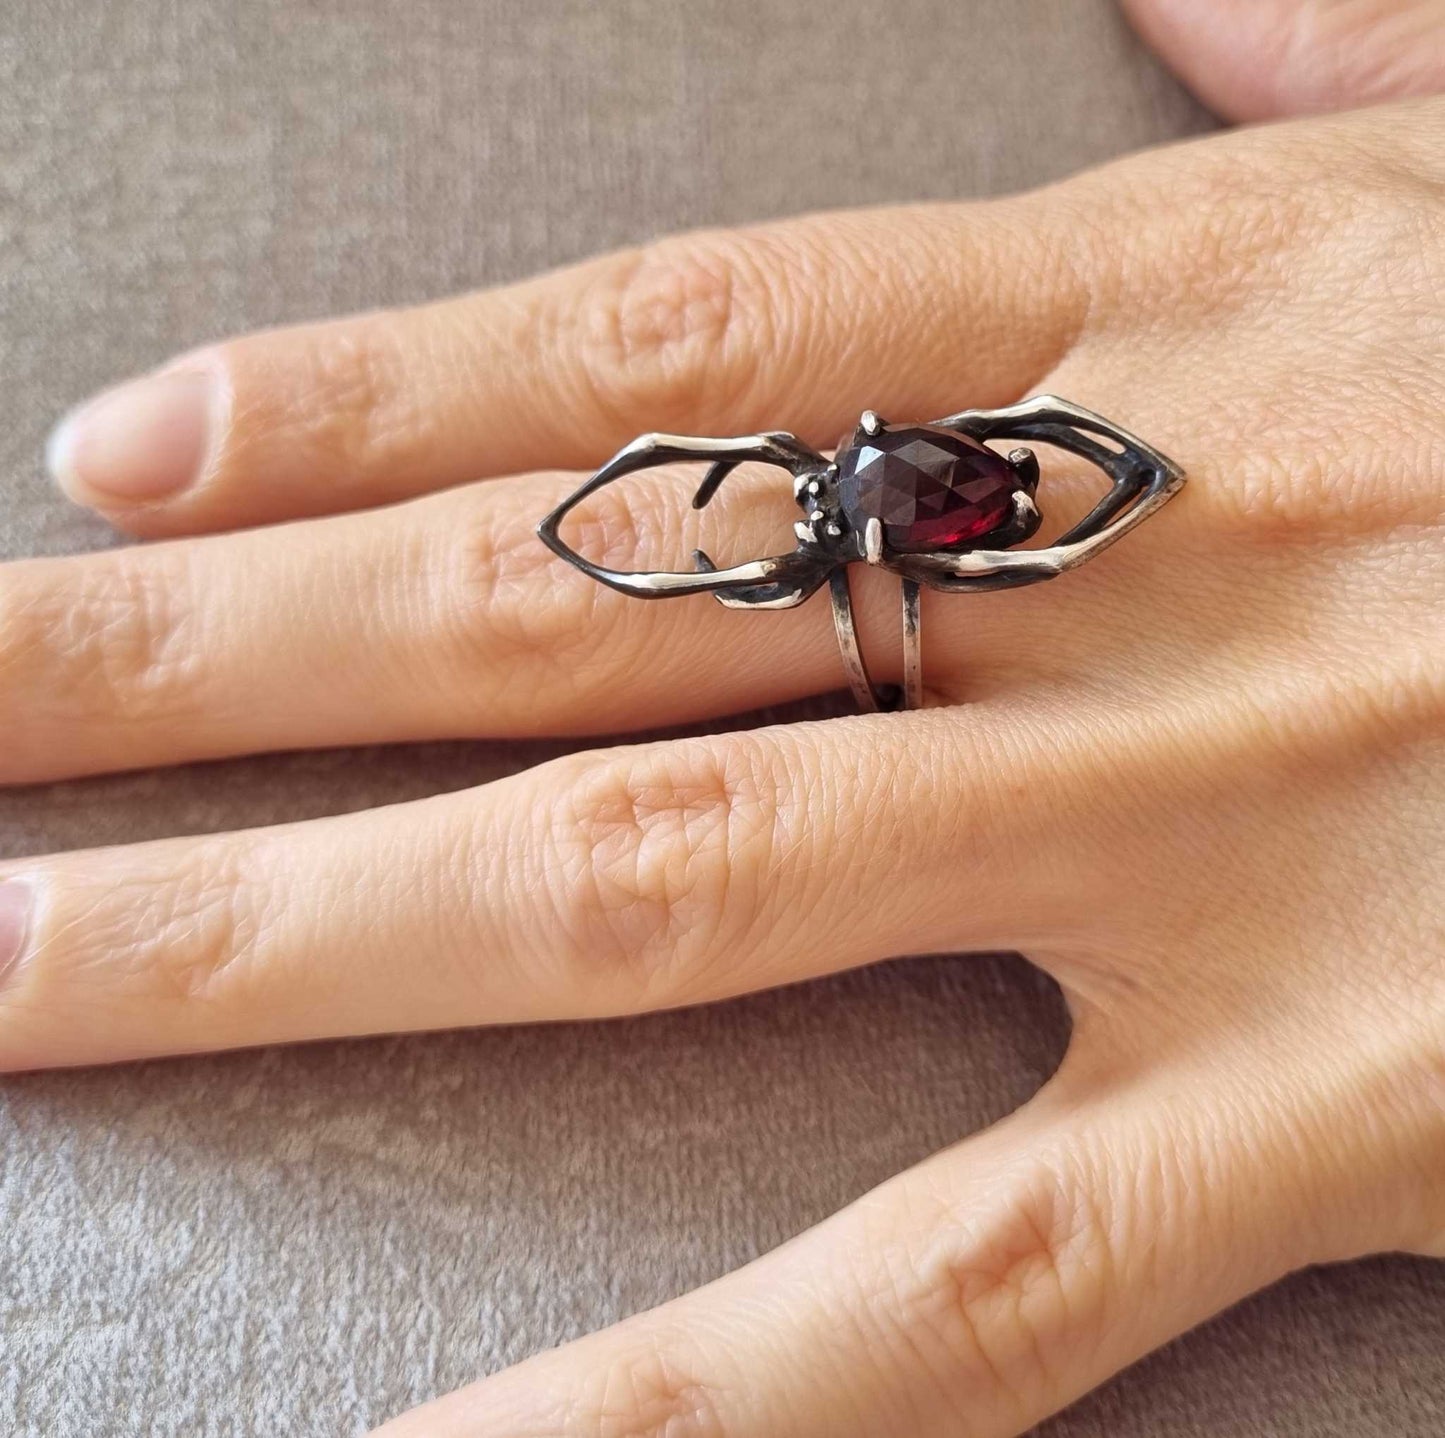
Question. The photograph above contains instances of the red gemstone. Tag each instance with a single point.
(931, 488)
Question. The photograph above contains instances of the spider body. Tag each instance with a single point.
(931, 488)
(982, 503)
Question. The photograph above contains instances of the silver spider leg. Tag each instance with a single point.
(776, 582)
(1142, 478)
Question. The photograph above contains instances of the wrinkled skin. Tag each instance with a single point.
(1200, 781)
(1260, 59)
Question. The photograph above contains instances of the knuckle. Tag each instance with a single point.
(1335, 484)
(514, 601)
(515, 613)
(1005, 1286)
(622, 527)
(666, 859)
(206, 930)
(1278, 261)
(354, 408)
(676, 323)
(649, 1394)
(1203, 234)
(165, 934)
(115, 639)
(1260, 212)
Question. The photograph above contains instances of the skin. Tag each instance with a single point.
(1201, 781)
(1261, 59)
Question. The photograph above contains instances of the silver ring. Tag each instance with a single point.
(931, 503)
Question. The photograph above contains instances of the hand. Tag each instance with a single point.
(1201, 781)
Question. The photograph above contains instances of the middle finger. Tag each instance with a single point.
(444, 617)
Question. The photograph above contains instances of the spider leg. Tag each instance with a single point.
(1142, 479)
(782, 594)
(721, 468)
(712, 481)
(777, 581)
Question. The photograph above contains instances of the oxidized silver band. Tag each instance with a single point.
(932, 503)
(870, 697)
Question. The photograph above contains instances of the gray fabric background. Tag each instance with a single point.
(304, 1242)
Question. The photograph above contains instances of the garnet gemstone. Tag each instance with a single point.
(931, 488)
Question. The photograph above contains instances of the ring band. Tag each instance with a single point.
(869, 697)
(932, 503)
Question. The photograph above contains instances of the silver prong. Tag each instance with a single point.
(833, 531)
(804, 531)
(873, 541)
(815, 516)
(870, 423)
(807, 490)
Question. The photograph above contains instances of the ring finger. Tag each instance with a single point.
(634, 878)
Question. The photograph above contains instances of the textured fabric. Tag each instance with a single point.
(303, 1242)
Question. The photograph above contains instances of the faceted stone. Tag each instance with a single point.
(931, 488)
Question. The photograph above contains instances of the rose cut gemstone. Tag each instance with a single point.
(931, 488)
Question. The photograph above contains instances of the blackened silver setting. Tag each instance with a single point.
(1141, 480)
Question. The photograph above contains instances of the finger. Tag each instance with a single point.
(1263, 59)
(794, 325)
(975, 1295)
(441, 618)
(629, 879)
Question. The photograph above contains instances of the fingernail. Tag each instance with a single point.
(16, 899)
(146, 440)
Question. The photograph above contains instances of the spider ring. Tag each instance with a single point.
(932, 503)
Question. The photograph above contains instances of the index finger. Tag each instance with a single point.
(795, 325)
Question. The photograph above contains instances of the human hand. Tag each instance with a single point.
(1199, 781)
